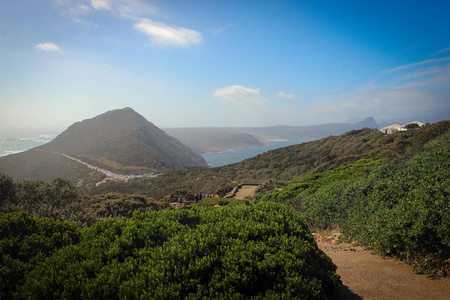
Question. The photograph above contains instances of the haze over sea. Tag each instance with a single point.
(11, 143)
(232, 156)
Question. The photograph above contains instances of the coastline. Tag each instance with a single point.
(231, 156)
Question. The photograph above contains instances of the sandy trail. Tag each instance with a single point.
(246, 191)
(368, 276)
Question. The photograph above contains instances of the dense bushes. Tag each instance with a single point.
(59, 199)
(399, 209)
(296, 192)
(244, 251)
(25, 241)
(406, 211)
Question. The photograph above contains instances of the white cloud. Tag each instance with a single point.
(82, 12)
(420, 63)
(78, 12)
(130, 9)
(163, 34)
(50, 47)
(285, 96)
(100, 4)
(241, 97)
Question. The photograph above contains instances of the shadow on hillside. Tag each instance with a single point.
(346, 294)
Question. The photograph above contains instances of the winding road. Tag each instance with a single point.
(109, 174)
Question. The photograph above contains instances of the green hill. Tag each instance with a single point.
(287, 164)
(121, 141)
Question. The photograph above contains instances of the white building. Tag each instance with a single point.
(396, 127)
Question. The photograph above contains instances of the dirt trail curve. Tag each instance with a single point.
(246, 191)
(368, 276)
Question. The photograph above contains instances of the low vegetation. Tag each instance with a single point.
(60, 200)
(283, 165)
(387, 192)
(398, 208)
(247, 251)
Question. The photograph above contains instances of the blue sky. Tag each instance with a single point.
(222, 63)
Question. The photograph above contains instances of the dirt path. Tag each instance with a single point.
(368, 276)
(246, 191)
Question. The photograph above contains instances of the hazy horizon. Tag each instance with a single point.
(222, 64)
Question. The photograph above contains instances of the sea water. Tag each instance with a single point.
(232, 156)
(11, 143)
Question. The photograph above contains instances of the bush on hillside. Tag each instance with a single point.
(248, 251)
(25, 241)
(406, 211)
(399, 209)
(60, 200)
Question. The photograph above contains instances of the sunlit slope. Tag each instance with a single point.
(42, 165)
(121, 141)
(289, 163)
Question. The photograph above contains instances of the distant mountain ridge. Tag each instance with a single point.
(206, 139)
(120, 140)
(203, 140)
(312, 132)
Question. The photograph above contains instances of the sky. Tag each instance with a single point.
(218, 63)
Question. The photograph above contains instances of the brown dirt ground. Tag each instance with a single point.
(368, 276)
(246, 191)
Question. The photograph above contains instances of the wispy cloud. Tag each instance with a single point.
(163, 34)
(443, 50)
(49, 47)
(403, 92)
(219, 30)
(101, 4)
(82, 10)
(241, 97)
(285, 96)
(137, 11)
(419, 64)
(131, 9)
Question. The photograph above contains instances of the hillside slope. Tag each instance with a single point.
(120, 140)
(287, 164)
(210, 139)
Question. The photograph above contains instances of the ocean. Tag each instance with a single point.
(11, 143)
(232, 156)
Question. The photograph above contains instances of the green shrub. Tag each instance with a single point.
(223, 202)
(406, 213)
(25, 241)
(399, 209)
(246, 251)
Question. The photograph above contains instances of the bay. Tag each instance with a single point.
(231, 156)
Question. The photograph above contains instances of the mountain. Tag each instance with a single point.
(425, 118)
(203, 140)
(210, 139)
(121, 141)
(309, 133)
(286, 164)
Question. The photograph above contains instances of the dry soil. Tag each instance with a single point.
(368, 276)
